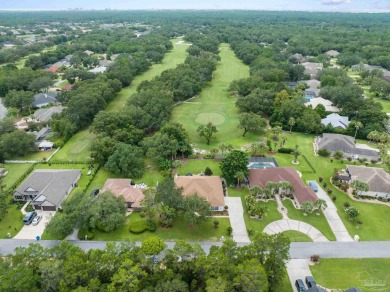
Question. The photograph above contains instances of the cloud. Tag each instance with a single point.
(335, 2)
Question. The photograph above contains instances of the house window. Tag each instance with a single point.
(18, 197)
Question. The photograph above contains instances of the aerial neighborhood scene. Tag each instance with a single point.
(206, 146)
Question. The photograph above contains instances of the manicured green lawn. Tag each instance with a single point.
(318, 221)
(15, 171)
(365, 274)
(36, 156)
(296, 236)
(196, 166)
(179, 230)
(12, 222)
(77, 148)
(215, 105)
(385, 103)
(256, 225)
(171, 60)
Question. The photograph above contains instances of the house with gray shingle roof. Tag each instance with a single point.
(332, 53)
(45, 114)
(46, 189)
(377, 179)
(44, 99)
(337, 121)
(338, 142)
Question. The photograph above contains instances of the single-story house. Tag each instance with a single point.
(44, 99)
(312, 69)
(337, 121)
(67, 87)
(338, 142)
(122, 187)
(377, 179)
(8, 44)
(329, 107)
(298, 58)
(42, 134)
(45, 114)
(313, 85)
(97, 70)
(47, 188)
(301, 192)
(208, 187)
(105, 63)
(52, 69)
(332, 53)
(88, 52)
(45, 145)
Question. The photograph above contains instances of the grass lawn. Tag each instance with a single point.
(296, 236)
(255, 224)
(37, 156)
(365, 274)
(179, 230)
(318, 221)
(196, 166)
(171, 59)
(15, 171)
(385, 103)
(12, 222)
(77, 148)
(216, 106)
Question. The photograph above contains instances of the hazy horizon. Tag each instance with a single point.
(278, 5)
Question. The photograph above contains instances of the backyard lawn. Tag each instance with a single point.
(15, 171)
(372, 275)
(215, 105)
(196, 166)
(12, 222)
(77, 148)
(318, 221)
(35, 156)
(171, 60)
(179, 230)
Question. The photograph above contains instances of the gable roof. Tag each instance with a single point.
(122, 187)
(332, 53)
(207, 187)
(336, 142)
(45, 114)
(336, 121)
(44, 98)
(314, 102)
(260, 177)
(48, 185)
(377, 178)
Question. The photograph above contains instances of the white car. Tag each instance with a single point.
(36, 220)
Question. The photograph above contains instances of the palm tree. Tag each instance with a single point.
(214, 151)
(320, 204)
(240, 177)
(357, 125)
(255, 191)
(260, 210)
(223, 148)
(296, 153)
(291, 123)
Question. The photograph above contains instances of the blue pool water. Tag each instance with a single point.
(309, 97)
(261, 165)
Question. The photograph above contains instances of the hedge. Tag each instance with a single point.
(84, 232)
(286, 150)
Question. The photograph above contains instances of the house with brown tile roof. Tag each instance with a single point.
(122, 187)
(260, 177)
(377, 179)
(207, 187)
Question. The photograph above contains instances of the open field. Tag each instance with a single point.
(77, 148)
(179, 230)
(366, 274)
(216, 106)
(171, 59)
(15, 171)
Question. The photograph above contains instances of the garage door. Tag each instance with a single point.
(48, 208)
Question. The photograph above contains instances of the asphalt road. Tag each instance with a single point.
(3, 110)
(298, 250)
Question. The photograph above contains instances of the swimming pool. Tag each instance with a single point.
(261, 165)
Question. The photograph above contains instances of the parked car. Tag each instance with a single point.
(95, 192)
(310, 282)
(314, 186)
(36, 220)
(28, 218)
(300, 285)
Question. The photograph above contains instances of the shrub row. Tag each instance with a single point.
(285, 150)
(139, 226)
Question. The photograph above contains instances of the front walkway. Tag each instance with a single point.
(236, 216)
(289, 224)
(334, 220)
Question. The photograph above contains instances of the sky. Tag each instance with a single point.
(300, 5)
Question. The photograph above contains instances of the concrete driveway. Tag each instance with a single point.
(236, 216)
(298, 269)
(334, 220)
(31, 231)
